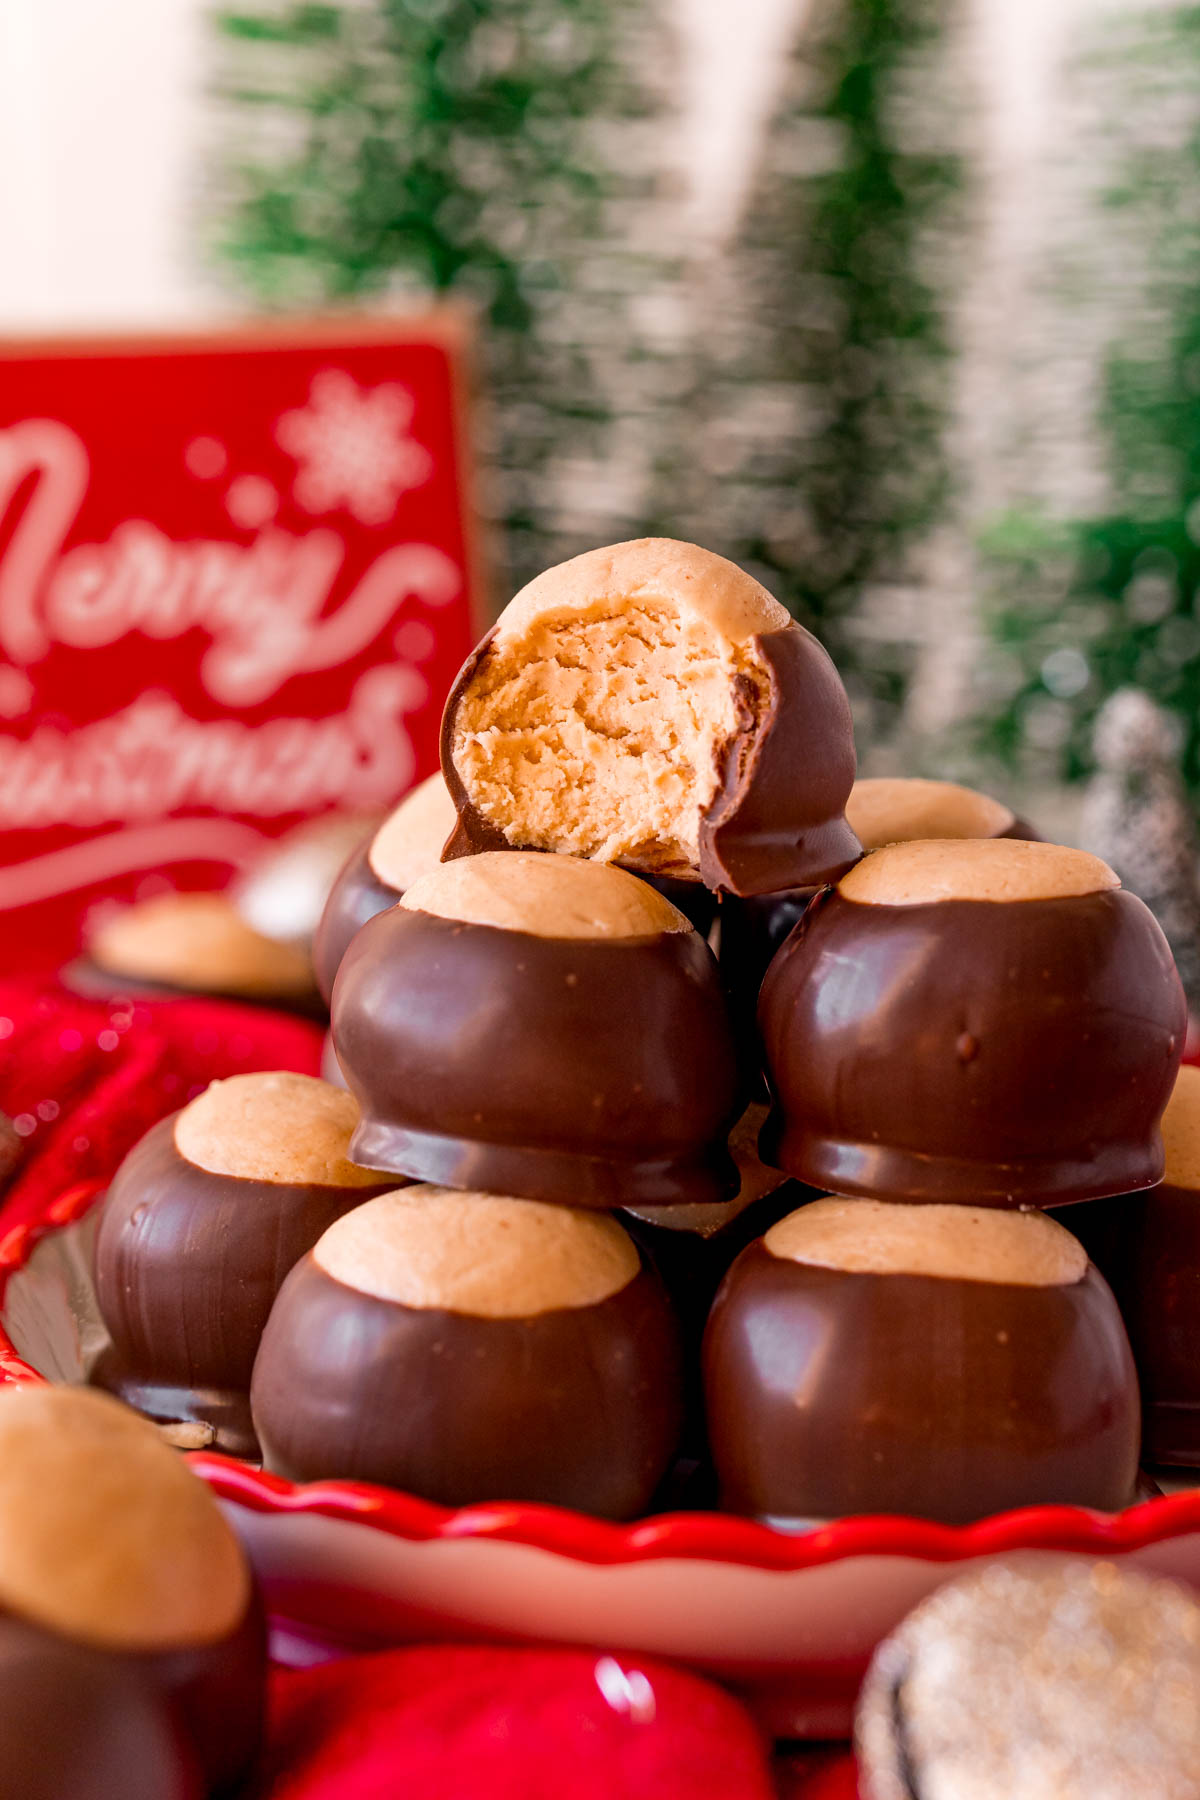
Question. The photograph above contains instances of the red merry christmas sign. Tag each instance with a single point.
(235, 585)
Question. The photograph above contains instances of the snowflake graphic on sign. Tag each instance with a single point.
(353, 448)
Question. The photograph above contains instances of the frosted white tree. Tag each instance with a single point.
(1138, 818)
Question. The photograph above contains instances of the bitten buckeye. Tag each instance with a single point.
(543, 1026)
(407, 845)
(943, 1361)
(203, 1220)
(110, 1545)
(985, 1021)
(470, 1347)
(650, 704)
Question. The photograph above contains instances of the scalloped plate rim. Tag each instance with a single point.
(700, 1536)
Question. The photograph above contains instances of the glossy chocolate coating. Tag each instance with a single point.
(832, 1393)
(78, 1724)
(218, 1696)
(576, 1407)
(356, 896)
(998, 1053)
(749, 934)
(777, 818)
(692, 1247)
(693, 899)
(692, 1261)
(1148, 1248)
(187, 1264)
(753, 930)
(593, 1072)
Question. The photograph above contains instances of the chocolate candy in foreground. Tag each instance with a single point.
(203, 1220)
(193, 944)
(1052, 1679)
(650, 704)
(988, 1021)
(78, 1725)
(539, 1025)
(1148, 1247)
(942, 1361)
(387, 862)
(108, 1541)
(469, 1347)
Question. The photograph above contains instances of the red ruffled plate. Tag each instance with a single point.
(788, 1619)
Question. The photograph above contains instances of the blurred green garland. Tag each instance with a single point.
(481, 147)
(408, 147)
(841, 262)
(1079, 609)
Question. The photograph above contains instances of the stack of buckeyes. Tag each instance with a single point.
(485, 1272)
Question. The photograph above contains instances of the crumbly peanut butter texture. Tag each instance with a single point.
(198, 941)
(546, 896)
(483, 1254)
(887, 809)
(963, 1243)
(411, 840)
(1181, 1130)
(932, 869)
(597, 721)
(105, 1534)
(274, 1127)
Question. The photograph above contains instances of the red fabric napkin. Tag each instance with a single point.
(83, 1079)
(447, 1723)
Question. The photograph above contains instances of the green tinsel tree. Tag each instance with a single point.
(814, 451)
(486, 149)
(782, 403)
(1082, 608)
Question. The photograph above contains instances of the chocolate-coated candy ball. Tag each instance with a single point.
(650, 704)
(1148, 1247)
(894, 809)
(539, 1025)
(881, 810)
(468, 1347)
(387, 862)
(203, 1220)
(943, 1361)
(195, 944)
(108, 1540)
(988, 1021)
(76, 1724)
